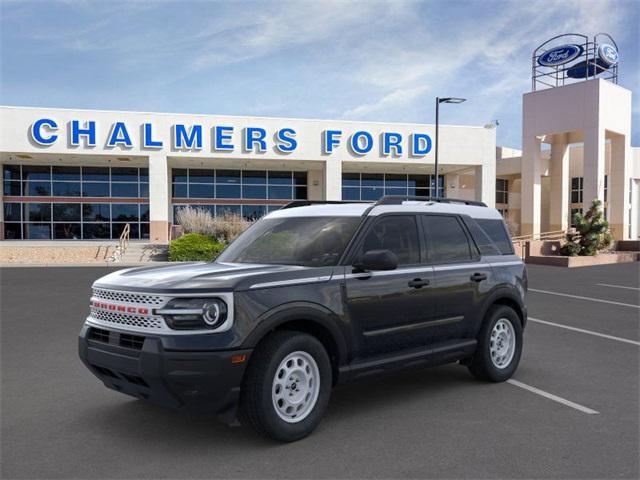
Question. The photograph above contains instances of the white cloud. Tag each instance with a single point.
(488, 56)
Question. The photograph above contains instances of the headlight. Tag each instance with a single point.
(194, 313)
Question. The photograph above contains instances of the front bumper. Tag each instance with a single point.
(142, 367)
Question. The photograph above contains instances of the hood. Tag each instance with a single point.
(192, 277)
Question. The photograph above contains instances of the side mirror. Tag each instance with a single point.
(377, 260)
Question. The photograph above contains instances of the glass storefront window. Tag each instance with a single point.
(280, 192)
(11, 172)
(37, 189)
(37, 231)
(198, 190)
(95, 174)
(95, 189)
(124, 212)
(96, 212)
(68, 181)
(372, 186)
(228, 176)
(36, 172)
(66, 173)
(93, 231)
(229, 209)
(254, 191)
(66, 212)
(266, 187)
(69, 231)
(280, 178)
(126, 174)
(66, 189)
(12, 212)
(253, 212)
(254, 177)
(47, 220)
(201, 176)
(124, 190)
(228, 191)
(13, 231)
(37, 212)
(12, 189)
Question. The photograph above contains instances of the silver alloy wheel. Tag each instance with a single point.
(503, 343)
(296, 386)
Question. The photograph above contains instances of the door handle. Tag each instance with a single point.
(478, 277)
(418, 283)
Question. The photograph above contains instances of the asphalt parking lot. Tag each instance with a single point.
(572, 411)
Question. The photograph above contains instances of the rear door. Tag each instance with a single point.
(460, 277)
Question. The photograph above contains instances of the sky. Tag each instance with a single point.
(344, 60)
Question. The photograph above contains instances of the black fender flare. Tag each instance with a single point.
(499, 295)
(314, 313)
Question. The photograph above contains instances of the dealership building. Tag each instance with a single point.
(86, 174)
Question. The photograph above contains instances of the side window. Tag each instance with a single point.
(484, 243)
(398, 233)
(497, 232)
(448, 242)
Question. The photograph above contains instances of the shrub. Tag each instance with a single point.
(591, 235)
(223, 228)
(194, 247)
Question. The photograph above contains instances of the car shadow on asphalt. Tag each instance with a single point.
(150, 424)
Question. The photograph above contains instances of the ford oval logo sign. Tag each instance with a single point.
(608, 54)
(560, 55)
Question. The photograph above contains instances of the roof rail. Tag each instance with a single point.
(306, 203)
(398, 199)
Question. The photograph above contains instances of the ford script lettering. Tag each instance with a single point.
(560, 55)
(608, 54)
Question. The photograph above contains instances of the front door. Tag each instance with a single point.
(388, 309)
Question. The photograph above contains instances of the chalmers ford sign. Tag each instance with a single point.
(222, 138)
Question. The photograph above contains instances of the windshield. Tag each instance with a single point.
(305, 241)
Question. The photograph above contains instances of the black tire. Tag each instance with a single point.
(257, 407)
(481, 364)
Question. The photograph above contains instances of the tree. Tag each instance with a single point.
(591, 235)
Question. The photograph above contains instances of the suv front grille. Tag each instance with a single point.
(142, 322)
(127, 310)
(129, 298)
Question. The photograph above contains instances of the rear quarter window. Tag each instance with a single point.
(497, 232)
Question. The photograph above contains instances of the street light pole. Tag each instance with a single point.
(438, 102)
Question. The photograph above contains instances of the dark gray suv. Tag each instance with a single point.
(310, 296)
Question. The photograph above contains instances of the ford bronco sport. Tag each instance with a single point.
(310, 296)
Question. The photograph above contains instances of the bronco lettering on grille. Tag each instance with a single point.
(119, 308)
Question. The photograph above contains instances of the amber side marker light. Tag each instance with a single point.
(238, 358)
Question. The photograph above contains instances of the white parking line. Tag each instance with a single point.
(585, 298)
(553, 397)
(616, 286)
(581, 330)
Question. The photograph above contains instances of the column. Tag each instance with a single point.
(593, 167)
(159, 198)
(485, 183)
(559, 196)
(452, 185)
(531, 186)
(332, 179)
(618, 188)
(315, 188)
